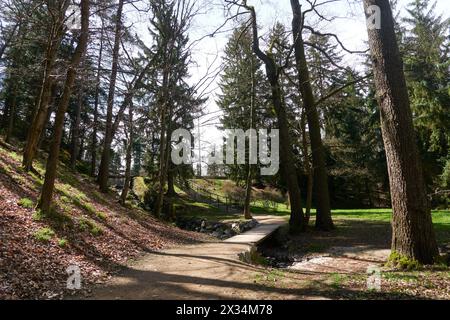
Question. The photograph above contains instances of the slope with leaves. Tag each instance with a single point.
(86, 228)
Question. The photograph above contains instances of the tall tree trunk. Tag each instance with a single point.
(96, 103)
(171, 180)
(297, 219)
(162, 148)
(103, 174)
(40, 114)
(412, 229)
(76, 127)
(51, 108)
(126, 186)
(53, 158)
(323, 215)
(308, 169)
(248, 182)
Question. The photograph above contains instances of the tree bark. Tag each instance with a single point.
(103, 174)
(297, 219)
(96, 103)
(170, 182)
(163, 142)
(53, 158)
(248, 182)
(308, 169)
(76, 128)
(40, 115)
(412, 229)
(323, 214)
(126, 186)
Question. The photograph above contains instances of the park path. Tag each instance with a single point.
(210, 270)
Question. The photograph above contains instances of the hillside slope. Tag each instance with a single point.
(87, 229)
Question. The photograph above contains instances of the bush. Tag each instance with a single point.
(234, 193)
(270, 197)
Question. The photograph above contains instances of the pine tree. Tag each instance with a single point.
(426, 56)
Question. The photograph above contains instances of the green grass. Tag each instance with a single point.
(412, 277)
(62, 243)
(336, 280)
(89, 226)
(44, 234)
(26, 203)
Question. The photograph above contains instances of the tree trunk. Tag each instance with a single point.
(162, 148)
(96, 103)
(248, 182)
(308, 169)
(126, 186)
(171, 181)
(40, 115)
(323, 215)
(76, 130)
(297, 219)
(412, 229)
(103, 174)
(53, 158)
(51, 108)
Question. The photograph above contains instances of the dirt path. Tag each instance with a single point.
(214, 271)
(204, 271)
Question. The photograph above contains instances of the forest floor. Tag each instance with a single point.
(87, 229)
(334, 265)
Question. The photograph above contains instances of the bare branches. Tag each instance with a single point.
(336, 91)
(335, 37)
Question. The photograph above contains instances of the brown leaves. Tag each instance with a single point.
(31, 269)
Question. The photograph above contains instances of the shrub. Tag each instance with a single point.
(233, 192)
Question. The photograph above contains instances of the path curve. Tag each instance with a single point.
(202, 271)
